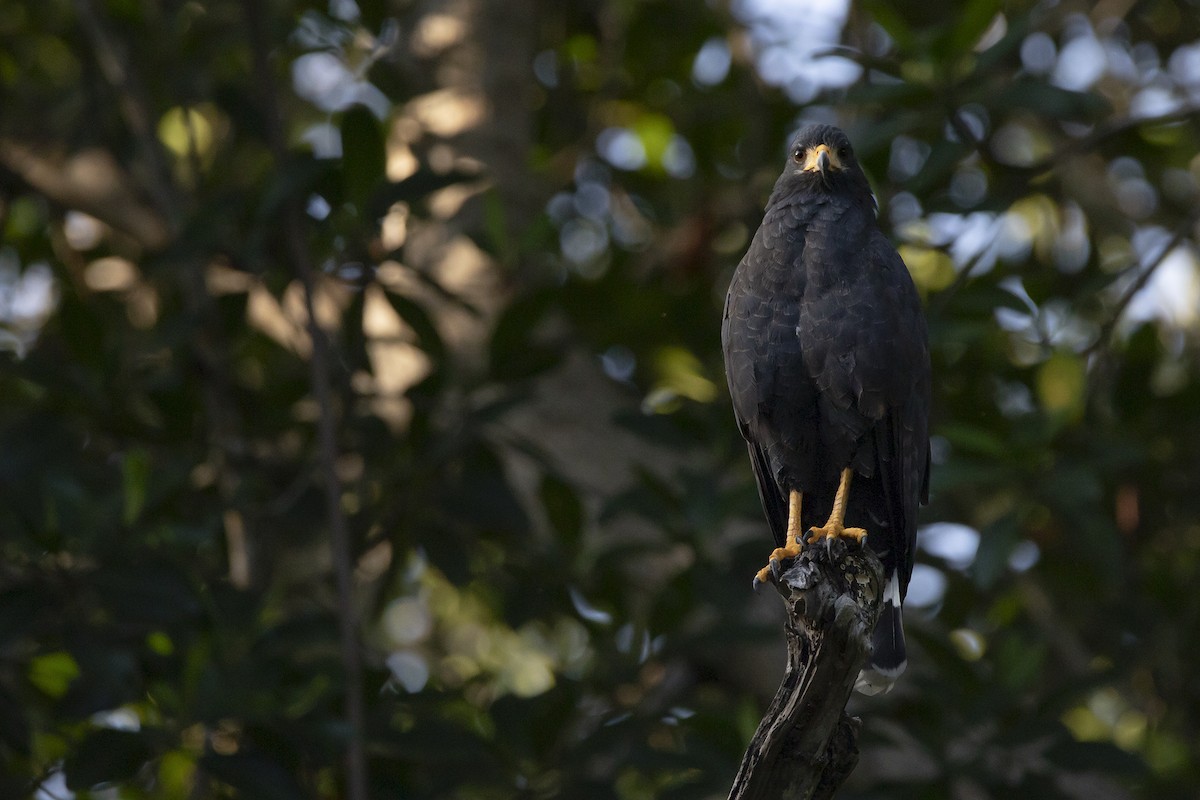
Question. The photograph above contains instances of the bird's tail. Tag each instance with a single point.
(888, 657)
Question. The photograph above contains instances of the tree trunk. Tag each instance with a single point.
(806, 745)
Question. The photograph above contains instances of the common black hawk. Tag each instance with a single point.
(827, 358)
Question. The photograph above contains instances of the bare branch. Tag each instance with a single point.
(1139, 283)
(1107, 131)
(90, 181)
(805, 746)
(118, 71)
(1084, 144)
(319, 363)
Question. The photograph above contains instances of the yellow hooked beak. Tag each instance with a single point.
(821, 159)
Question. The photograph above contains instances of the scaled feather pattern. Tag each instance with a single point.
(827, 359)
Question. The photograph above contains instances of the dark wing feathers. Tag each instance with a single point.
(827, 379)
(759, 352)
(773, 502)
(828, 366)
(904, 466)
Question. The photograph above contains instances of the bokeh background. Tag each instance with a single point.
(487, 526)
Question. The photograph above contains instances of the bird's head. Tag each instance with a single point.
(821, 158)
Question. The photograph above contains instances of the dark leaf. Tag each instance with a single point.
(1054, 102)
(14, 724)
(415, 316)
(106, 756)
(254, 776)
(563, 508)
(293, 182)
(363, 156)
(417, 186)
(517, 351)
(149, 592)
(996, 543)
(972, 20)
(1099, 757)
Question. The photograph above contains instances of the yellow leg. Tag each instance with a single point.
(835, 528)
(791, 542)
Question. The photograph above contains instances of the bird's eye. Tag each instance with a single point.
(843, 152)
(797, 155)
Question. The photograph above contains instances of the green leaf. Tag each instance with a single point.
(53, 672)
(1019, 661)
(496, 226)
(885, 15)
(973, 20)
(1061, 385)
(135, 472)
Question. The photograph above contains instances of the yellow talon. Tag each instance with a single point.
(832, 531)
(778, 555)
(791, 544)
(835, 527)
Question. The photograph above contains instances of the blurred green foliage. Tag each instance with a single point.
(553, 523)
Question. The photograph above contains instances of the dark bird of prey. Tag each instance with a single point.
(827, 358)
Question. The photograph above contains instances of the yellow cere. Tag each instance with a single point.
(810, 158)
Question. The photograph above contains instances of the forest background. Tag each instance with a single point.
(363, 429)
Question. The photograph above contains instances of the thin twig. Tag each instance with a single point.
(941, 301)
(194, 163)
(120, 74)
(1072, 147)
(968, 136)
(1139, 283)
(118, 69)
(1083, 145)
(1105, 132)
(356, 761)
(38, 784)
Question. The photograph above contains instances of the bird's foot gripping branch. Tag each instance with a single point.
(791, 546)
(835, 528)
(806, 745)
